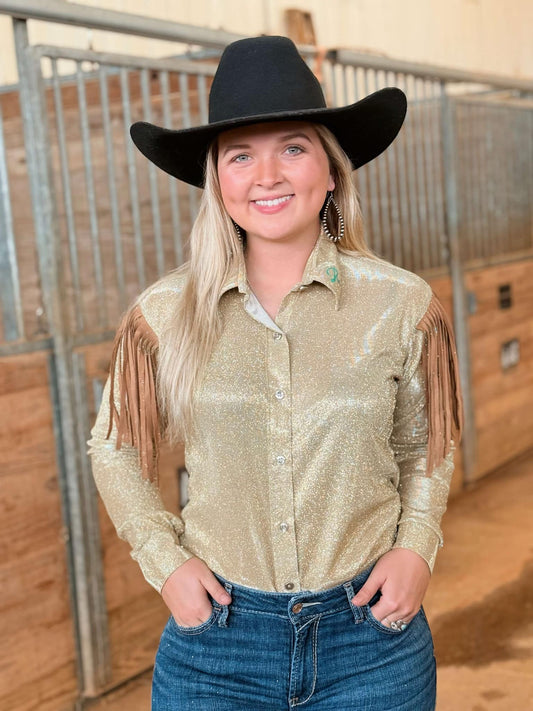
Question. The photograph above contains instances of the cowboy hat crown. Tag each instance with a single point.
(263, 79)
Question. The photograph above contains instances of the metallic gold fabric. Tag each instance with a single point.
(309, 458)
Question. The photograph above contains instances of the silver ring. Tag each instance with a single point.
(398, 625)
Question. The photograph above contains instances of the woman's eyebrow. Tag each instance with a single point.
(236, 147)
(291, 136)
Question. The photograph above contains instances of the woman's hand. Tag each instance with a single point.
(403, 577)
(185, 592)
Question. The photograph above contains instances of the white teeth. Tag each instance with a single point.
(277, 201)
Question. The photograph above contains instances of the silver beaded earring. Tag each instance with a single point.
(237, 230)
(340, 219)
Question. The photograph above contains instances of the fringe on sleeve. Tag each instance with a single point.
(137, 419)
(443, 388)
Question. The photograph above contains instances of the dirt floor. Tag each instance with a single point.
(479, 604)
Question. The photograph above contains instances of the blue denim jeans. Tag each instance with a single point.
(273, 651)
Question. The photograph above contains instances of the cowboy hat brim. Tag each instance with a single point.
(363, 129)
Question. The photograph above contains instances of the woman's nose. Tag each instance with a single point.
(268, 172)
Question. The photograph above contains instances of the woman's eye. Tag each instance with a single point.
(294, 150)
(241, 158)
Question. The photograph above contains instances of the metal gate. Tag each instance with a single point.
(107, 224)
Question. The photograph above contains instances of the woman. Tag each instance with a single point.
(315, 386)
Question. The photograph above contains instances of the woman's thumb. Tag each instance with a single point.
(220, 594)
(368, 591)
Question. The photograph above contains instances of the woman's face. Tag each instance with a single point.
(274, 178)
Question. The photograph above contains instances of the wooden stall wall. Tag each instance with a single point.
(37, 643)
(502, 397)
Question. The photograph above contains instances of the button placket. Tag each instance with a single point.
(280, 479)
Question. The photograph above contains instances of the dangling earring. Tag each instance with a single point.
(340, 219)
(237, 230)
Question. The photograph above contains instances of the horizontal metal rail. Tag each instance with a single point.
(125, 60)
(427, 71)
(97, 18)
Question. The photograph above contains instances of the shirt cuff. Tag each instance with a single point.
(159, 557)
(421, 539)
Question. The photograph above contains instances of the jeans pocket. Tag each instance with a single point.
(196, 629)
(372, 620)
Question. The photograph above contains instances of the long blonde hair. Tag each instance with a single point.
(186, 346)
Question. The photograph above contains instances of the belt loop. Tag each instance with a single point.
(223, 618)
(357, 611)
(349, 589)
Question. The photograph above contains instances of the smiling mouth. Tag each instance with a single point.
(272, 203)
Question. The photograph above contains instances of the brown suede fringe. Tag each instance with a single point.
(443, 388)
(137, 421)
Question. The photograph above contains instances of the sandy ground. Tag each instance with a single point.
(479, 603)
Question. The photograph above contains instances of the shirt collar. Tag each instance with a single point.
(322, 265)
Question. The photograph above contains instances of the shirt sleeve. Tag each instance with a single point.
(118, 450)
(428, 421)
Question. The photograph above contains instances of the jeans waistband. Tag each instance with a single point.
(281, 602)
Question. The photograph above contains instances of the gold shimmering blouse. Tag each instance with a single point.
(323, 438)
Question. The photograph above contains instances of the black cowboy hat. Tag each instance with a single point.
(262, 79)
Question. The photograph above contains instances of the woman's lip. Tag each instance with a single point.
(272, 204)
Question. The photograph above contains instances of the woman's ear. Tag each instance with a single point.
(331, 183)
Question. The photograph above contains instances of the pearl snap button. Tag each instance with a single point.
(283, 526)
(277, 336)
(289, 586)
(280, 459)
(280, 394)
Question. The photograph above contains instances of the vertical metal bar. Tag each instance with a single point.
(37, 142)
(172, 182)
(465, 181)
(362, 178)
(132, 175)
(344, 72)
(412, 174)
(479, 187)
(407, 183)
(373, 182)
(202, 98)
(490, 165)
(89, 496)
(186, 117)
(518, 185)
(402, 179)
(471, 247)
(437, 168)
(510, 163)
(112, 187)
(154, 193)
(10, 296)
(396, 209)
(425, 261)
(460, 310)
(91, 197)
(477, 239)
(517, 139)
(435, 256)
(331, 83)
(384, 194)
(486, 188)
(67, 198)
